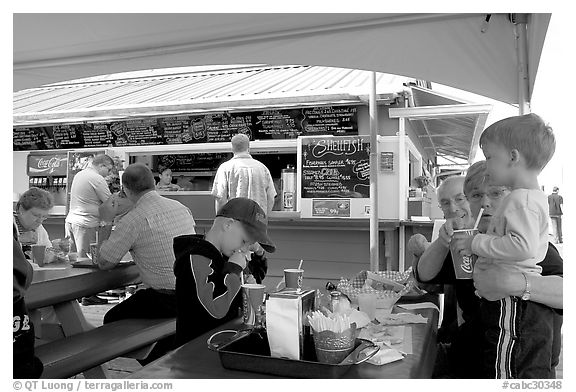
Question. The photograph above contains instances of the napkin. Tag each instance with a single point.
(384, 356)
(401, 318)
(283, 327)
(422, 305)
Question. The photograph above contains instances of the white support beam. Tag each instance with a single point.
(435, 112)
(177, 108)
(374, 215)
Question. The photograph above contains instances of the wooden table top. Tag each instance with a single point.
(53, 286)
(194, 359)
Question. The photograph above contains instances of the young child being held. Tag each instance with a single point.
(518, 333)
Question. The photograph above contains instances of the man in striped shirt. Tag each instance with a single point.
(148, 232)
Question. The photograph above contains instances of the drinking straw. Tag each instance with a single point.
(279, 284)
(478, 219)
(300, 265)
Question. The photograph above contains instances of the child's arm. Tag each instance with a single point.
(215, 289)
(520, 240)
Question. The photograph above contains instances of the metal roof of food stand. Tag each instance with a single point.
(202, 89)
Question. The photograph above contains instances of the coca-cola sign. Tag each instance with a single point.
(47, 165)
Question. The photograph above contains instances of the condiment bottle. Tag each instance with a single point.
(334, 301)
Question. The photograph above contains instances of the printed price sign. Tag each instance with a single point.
(331, 208)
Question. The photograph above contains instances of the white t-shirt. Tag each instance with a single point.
(89, 190)
(517, 236)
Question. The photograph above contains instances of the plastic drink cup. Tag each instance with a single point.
(293, 278)
(367, 304)
(252, 300)
(38, 252)
(94, 252)
(463, 265)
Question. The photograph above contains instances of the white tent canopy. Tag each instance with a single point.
(459, 50)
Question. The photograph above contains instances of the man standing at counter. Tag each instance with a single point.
(148, 232)
(243, 176)
(89, 190)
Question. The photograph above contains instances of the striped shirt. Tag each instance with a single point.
(148, 232)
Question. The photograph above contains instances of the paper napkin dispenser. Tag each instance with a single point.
(286, 324)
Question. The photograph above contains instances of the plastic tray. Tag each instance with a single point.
(249, 351)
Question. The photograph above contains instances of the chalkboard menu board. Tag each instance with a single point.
(335, 167)
(207, 128)
(190, 162)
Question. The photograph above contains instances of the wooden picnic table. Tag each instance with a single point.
(195, 360)
(60, 285)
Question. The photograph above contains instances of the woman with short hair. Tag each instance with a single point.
(32, 209)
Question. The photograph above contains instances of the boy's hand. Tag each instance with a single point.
(239, 258)
(28, 237)
(462, 243)
(446, 232)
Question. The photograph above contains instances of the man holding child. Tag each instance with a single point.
(513, 331)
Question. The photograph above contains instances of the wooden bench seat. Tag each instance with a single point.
(75, 354)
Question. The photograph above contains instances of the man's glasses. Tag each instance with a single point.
(460, 200)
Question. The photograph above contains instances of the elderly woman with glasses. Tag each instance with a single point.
(461, 199)
(32, 209)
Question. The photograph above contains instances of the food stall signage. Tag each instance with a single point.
(331, 207)
(187, 129)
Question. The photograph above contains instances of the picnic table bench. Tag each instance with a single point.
(75, 354)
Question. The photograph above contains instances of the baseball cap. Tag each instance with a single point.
(252, 217)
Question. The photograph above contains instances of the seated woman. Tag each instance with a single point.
(492, 282)
(32, 209)
(165, 183)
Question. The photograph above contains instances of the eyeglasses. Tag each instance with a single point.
(40, 217)
(495, 194)
(460, 200)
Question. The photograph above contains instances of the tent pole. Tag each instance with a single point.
(521, 21)
(374, 243)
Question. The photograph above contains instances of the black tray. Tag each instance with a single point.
(249, 351)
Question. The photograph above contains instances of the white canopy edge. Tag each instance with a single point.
(450, 49)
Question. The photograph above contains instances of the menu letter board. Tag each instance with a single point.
(183, 129)
(335, 167)
(204, 162)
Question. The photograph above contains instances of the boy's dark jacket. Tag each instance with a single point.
(25, 363)
(207, 286)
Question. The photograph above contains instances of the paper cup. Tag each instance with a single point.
(463, 265)
(367, 304)
(252, 299)
(38, 253)
(72, 257)
(94, 252)
(293, 278)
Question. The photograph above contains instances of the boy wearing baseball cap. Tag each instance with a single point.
(208, 267)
